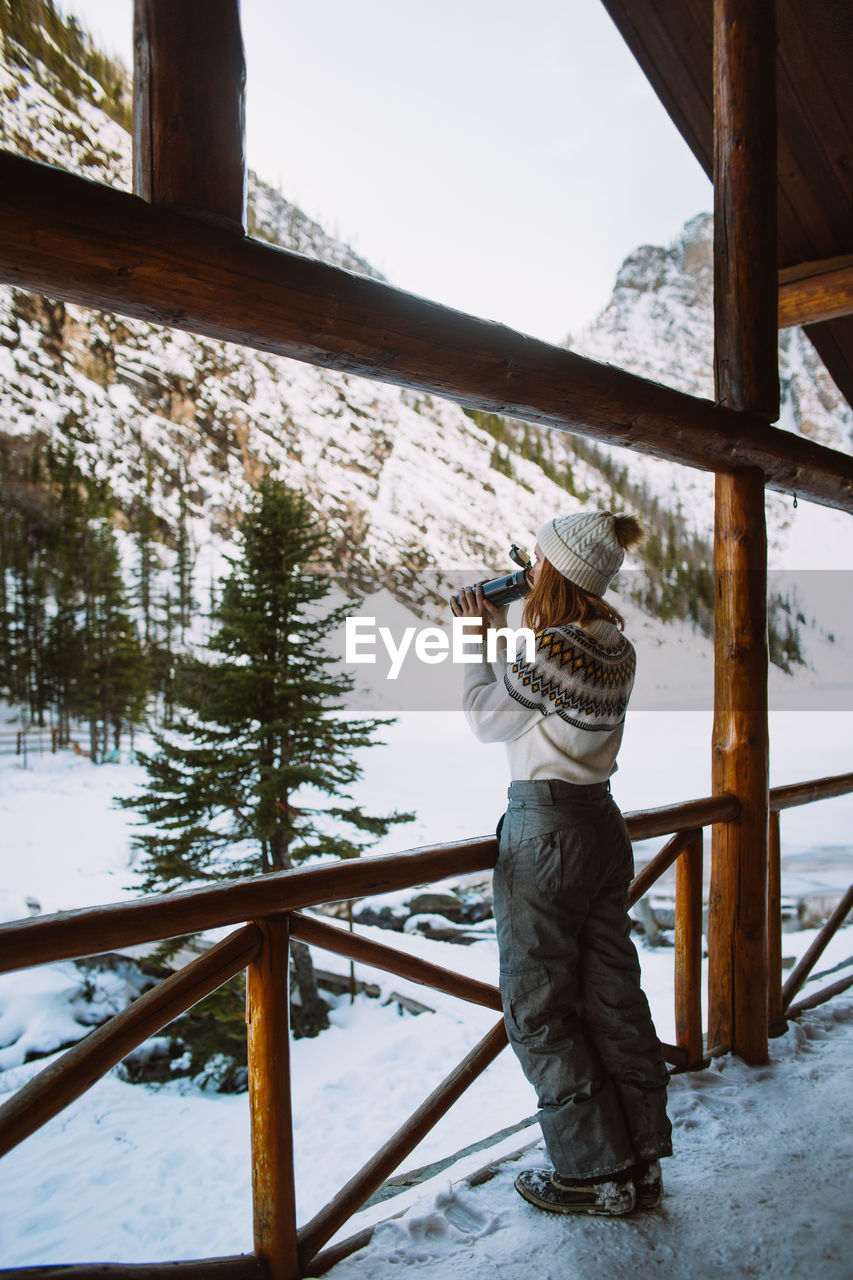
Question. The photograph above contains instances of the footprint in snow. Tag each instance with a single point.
(455, 1221)
(462, 1213)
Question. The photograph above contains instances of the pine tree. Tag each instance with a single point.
(67, 639)
(145, 529)
(29, 529)
(6, 617)
(65, 648)
(161, 656)
(115, 672)
(257, 729)
(113, 683)
(184, 559)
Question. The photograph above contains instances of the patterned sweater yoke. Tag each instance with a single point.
(575, 676)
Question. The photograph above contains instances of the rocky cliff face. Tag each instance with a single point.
(659, 322)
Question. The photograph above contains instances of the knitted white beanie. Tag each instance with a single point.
(583, 548)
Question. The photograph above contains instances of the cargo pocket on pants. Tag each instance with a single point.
(558, 859)
(526, 999)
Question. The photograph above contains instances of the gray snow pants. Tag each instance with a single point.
(570, 978)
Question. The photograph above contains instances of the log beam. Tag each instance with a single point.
(318, 934)
(816, 291)
(189, 118)
(91, 930)
(797, 793)
(813, 1001)
(747, 379)
(644, 824)
(69, 238)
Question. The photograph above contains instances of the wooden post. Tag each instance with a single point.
(737, 905)
(745, 276)
(746, 367)
(189, 108)
(775, 1012)
(268, 1018)
(688, 950)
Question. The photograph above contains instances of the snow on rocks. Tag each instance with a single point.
(659, 324)
(53, 1006)
(456, 911)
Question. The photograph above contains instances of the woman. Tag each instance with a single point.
(569, 975)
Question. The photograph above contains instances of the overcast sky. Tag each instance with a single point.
(499, 157)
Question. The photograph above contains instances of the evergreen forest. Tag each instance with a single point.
(71, 652)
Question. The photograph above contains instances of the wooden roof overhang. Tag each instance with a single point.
(672, 41)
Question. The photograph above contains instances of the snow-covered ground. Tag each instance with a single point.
(761, 1186)
(763, 1171)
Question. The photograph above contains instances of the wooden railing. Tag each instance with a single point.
(272, 905)
(18, 742)
(780, 1006)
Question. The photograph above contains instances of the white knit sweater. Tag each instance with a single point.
(562, 715)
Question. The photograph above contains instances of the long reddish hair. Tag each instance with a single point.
(555, 600)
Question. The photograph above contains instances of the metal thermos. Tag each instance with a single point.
(512, 586)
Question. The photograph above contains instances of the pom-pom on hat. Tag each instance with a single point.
(588, 547)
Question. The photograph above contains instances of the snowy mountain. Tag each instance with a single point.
(405, 482)
(659, 323)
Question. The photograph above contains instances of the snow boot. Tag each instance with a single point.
(547, 1190)
(648, 1183)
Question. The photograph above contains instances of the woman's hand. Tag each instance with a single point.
(473, 604)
